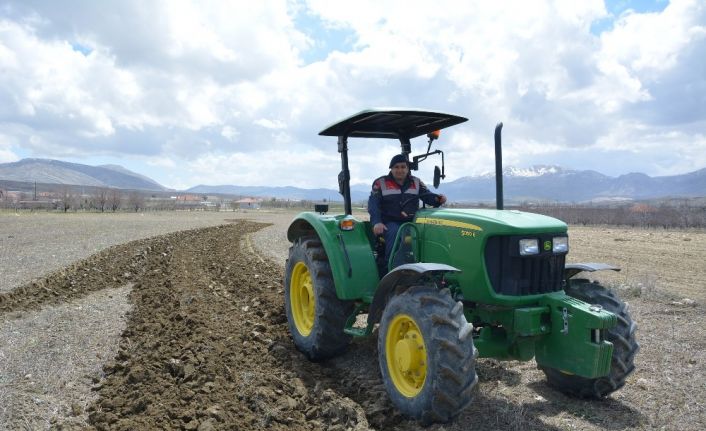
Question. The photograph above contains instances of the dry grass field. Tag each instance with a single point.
(133, 322)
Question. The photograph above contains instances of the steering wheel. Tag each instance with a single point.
(419, 197)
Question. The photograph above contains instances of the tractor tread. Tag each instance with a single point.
(448, 372)
(311, 243)
(327, 338)
(441, 397)
(451, 347)
(445, 321)
(428, 300)
(465, 332)
(458, 308)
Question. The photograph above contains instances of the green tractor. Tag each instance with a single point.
(459, 284)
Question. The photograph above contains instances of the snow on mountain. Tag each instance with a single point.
(553, 183)
(533, 171)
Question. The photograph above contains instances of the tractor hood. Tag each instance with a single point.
(507, 222)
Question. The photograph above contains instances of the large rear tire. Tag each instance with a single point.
(622, 336)
(315, 315)
(426, 354)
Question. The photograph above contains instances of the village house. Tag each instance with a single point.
(248, 203)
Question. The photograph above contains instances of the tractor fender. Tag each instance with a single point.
(574, 268)
(400, 279)
(349, 252)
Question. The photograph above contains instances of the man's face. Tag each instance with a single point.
(400, 171)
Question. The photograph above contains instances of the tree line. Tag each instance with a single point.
(678, 214)
(66, 199)
(634, 215)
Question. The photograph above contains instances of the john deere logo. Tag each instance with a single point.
(547, 245)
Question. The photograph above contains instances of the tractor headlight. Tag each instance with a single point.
(560, 244)
(529, 246)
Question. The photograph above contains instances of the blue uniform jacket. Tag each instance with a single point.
(386, 199)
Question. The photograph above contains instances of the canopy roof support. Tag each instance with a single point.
(344, 178)
(386, 123)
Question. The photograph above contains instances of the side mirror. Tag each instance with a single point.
(437, 177)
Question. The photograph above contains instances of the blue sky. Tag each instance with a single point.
(326, 38)
(191, 93)
(615, 8)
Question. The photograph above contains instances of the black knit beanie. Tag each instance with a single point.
(398, 159)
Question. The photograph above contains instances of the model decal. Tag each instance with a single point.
(470, 233)
(448, 223)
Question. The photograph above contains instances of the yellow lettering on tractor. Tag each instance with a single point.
(449, 223)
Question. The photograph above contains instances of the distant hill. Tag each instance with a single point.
(556, 184)
(57, 172)
(546, 183)
(551, 183)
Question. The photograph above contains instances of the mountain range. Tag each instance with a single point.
(50, 171)
(547, 183)
(553, 183)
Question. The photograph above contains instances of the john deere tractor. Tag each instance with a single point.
(459, 284)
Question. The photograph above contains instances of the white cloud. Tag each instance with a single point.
(265, 167)
(639, 50)
(7, 156)
(6, 153)
(270, 124)
(646, 42)
(163, 162)
(230, 133)
(224, 84)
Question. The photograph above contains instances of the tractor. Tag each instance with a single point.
(459, 284)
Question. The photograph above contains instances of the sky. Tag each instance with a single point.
(235, 92)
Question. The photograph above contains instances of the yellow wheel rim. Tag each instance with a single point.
(302, 299)
(406, 355)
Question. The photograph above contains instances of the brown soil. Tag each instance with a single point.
(206, 347)
(206, 344)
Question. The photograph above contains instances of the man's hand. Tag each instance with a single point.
(442, 199)
(379, 229)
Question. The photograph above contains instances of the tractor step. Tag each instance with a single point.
(357, 331)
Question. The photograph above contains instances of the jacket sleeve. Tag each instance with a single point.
(375, 203)
(431, 198)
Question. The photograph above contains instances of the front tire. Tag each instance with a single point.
(426, 354)
(625, 346)
(315, 315)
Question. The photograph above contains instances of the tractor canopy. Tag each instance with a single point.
(388, 123)
(392, 123)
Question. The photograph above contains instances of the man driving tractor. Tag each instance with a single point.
(394, 199)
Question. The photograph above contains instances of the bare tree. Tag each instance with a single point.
(101, 198)
(114, 199)
(66, 198)
(135, 200)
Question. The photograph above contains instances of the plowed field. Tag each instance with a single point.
(204, 345)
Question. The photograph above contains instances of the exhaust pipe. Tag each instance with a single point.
(498, 167)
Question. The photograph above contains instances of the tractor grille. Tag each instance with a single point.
(512, 274)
